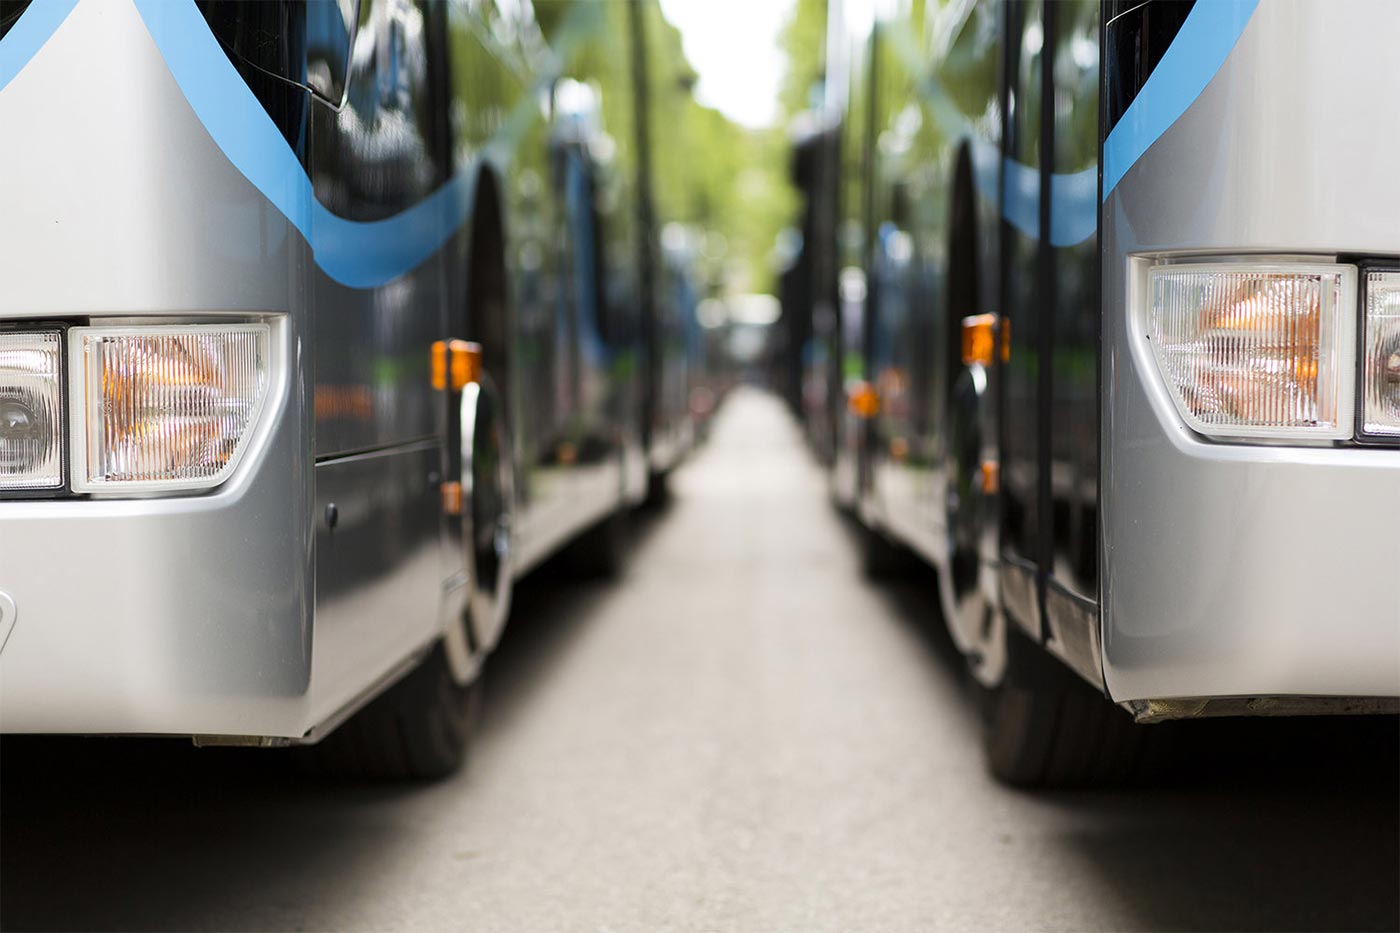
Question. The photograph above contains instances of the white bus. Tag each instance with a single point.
(1107, 296)
(253, 474)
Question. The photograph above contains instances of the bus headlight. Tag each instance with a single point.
(164, 407)
(1256, 350)
(1380, 393)
(31, 413)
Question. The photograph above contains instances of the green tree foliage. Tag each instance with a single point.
(727, 185)
(803, 42)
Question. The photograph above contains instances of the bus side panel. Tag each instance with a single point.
(379, 571)
(921, 171)
(1071, 596)
(1023, 308)
(373, 158)
(378, 423)
(668, 172)
(846, 434)
(604, 276)
(569, 399)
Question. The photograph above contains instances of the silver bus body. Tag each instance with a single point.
(154, 190)
(1247, 569)
(1057, 484)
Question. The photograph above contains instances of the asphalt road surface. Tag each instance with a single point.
(740, 734)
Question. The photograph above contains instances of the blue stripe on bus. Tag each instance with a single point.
(29, 33)
(360, 254)
(1074, 211)
(366, 254)
(1194, 57)
(1074, 214)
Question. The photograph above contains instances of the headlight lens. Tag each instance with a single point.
(1255, 350)
(31, 414)
(165, 407)
(1380, 392)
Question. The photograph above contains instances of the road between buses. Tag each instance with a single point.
(741, 733)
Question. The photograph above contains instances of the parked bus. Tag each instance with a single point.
(255, 481)
(1121, 285)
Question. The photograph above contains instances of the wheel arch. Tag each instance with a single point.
(484, 309)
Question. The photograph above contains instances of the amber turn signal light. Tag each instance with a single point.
(979, 339)
(452, 498)
(990, 476)
(458, 359)
(862, 400)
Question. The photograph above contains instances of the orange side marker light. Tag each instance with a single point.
(990, 473)
(452, 498)
(437, 365)
(459, 359)
(862, 400)
(466, 363)
(978, 339)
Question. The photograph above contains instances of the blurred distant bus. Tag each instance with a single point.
(1105, 303)
(254, 479)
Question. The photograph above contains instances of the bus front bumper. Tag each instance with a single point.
(186, 615)
(1250, 571)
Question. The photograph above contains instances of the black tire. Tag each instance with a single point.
(418, 729)
(658, 495)
(601, 551)
(883, 559)
(1045, 727)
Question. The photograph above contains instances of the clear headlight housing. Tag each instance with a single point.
(31, 410)
(1380, 348)
(164, 407)
(1256, 350)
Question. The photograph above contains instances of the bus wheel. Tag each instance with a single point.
(417, 729)
(883, 559)
(1045, 727)
(658, 494)
(421, 726)
(601, 551)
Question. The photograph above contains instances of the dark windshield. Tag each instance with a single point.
(10, 11)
